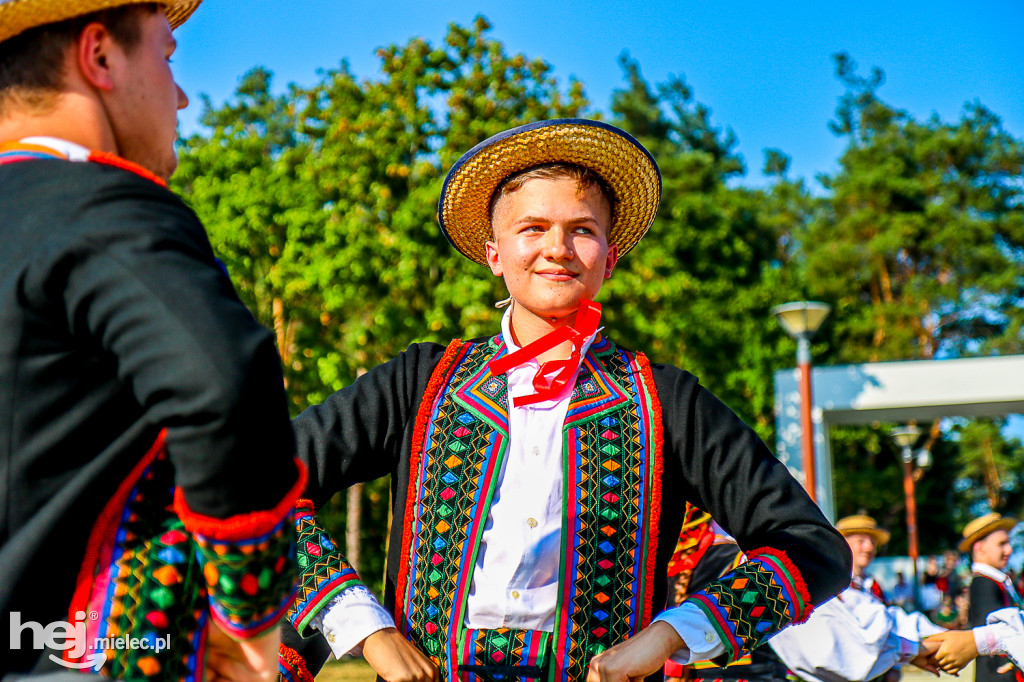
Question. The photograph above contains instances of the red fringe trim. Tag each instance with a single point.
(304, 505)
(241, 526)
(438, 379)
(295, 662)
(659, 468)
(798, 579)
(104, 527)
(110, 159)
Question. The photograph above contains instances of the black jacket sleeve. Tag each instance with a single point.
(136, 277)
(722, 467)
(360, 432)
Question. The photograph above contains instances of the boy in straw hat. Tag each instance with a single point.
(987, 539)
(540, 475)
(145, 447)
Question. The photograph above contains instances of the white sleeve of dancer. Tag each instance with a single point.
(843, 641)
(697, 632)
(351, 616)
(1004, 634)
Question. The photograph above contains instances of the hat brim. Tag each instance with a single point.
(879, 536)
(615, 155)
(18, 16)
(1006, 524)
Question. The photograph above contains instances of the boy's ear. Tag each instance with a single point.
(493, 261)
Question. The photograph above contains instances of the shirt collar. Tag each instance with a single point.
(990, 571)
(72, 150)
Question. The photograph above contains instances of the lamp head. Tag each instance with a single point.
(801, 318)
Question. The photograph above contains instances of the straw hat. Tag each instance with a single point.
(613, 154)
(18, 16)
(985, 525)
(861, 524)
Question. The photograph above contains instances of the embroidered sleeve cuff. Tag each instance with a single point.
(291, 667)
(248, 562)
(750, 604)
(324, 572)
(699, 635)
(349, 618)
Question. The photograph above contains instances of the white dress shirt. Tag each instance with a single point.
(515, 579)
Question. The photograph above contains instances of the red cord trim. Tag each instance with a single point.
(240, 526)
(294, 661)
(110, 159)
(104, 527)
(438, 379)
(798, 579)
(655, 503)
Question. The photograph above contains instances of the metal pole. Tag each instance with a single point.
(803, 360)
(911, 495)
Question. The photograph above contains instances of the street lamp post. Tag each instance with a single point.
(801, 320)
(905, 438)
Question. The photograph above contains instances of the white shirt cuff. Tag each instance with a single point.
(351, 616)
(699, 635)
(986, 638)
(908, 649)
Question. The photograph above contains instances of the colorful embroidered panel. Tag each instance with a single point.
(324, 571)
(454, 483)
(613, 464)
(504, 654)
(142, 579)
(753, 602)
(611, 472)
(250, 582)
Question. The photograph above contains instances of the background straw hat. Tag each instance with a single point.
(861, 524)
(17, 16)
(614, 154)
(982, 526)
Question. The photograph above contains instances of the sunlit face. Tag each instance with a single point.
(551, 245)
(863, 548)
(994, 549)
(143, 106)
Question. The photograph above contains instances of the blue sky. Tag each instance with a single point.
(764, 69)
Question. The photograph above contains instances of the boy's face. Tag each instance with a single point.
(863, 548)
(994, 549)
(551, 245)
(144, 104)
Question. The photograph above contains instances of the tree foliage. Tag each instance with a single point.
(322, 201)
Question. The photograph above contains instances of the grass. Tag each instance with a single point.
(352, 670)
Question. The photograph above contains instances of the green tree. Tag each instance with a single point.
(698, 291)
(919, 246)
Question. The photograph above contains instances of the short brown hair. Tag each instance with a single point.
(584, 177)
(32, 63)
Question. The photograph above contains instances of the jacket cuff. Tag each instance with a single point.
(291, 667)
(324, 571)
(248, 562)
(750, 604)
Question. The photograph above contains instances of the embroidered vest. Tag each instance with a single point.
(612, 462)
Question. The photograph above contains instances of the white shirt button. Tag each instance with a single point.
(709, 638)
(330, 636)
(531, 522)
(535, 451)
(515, 594)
